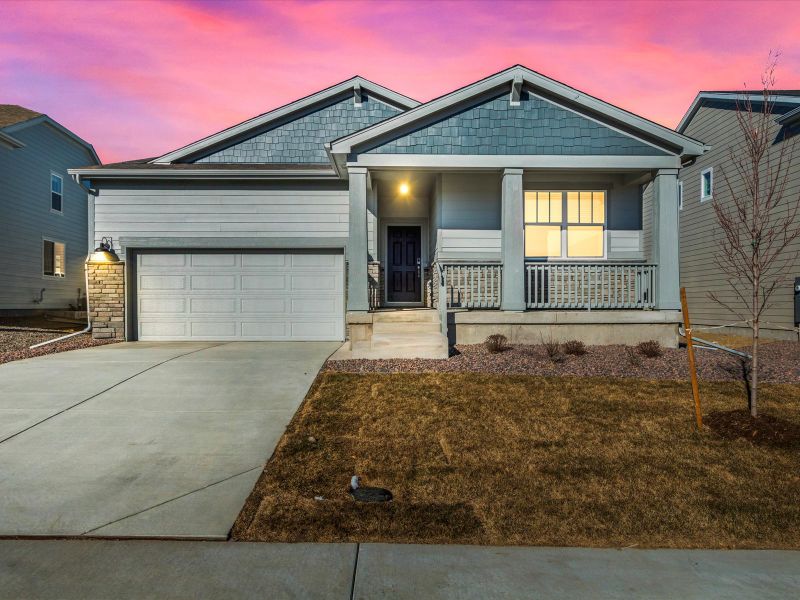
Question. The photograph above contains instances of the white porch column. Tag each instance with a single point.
(357, 292)
(513, 241)
(666, 239)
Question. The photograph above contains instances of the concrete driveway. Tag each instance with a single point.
(144, 439)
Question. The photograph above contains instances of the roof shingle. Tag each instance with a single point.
(11, 114)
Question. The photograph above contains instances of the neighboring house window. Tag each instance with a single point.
(680, 195)
(706, 184)
(56, 192)
(53, 258)
(565, 224)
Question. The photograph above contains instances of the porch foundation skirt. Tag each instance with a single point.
(596, 327)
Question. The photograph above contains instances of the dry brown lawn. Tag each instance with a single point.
(486, 459)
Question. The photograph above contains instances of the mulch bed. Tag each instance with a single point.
(15, 342)
(780, 363)
(765, 430)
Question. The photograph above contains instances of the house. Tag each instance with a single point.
(512, 205)
(43, 213)
(712, 117)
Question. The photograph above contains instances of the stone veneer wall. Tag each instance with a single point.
(107, 300)
(375, 283)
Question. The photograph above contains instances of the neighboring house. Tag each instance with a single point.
(712, 117)
(43, 213)
(516, 196)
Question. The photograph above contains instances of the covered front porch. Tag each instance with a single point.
(515, 240)
(516, 195)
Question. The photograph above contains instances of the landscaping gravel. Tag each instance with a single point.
(780, 363)
(15, 342)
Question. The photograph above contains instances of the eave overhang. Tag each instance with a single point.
(201, 174)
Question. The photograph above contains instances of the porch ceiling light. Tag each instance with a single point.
(404, 189)
(104, 253)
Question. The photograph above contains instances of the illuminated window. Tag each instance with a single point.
(53, 259)
(543, 218)
(565, 224)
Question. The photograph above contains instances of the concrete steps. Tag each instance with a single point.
(399, 334)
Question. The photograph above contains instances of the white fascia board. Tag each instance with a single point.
(95, 174)
(381, 92)
(527, 162)
(556, 89)
(58, 127)
(753, 97)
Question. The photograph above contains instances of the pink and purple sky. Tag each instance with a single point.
(139, 78)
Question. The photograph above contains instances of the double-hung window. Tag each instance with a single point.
(56, 193)
(565, 224)
(53, 259)
(707, 184)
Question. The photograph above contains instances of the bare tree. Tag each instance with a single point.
(757, 221)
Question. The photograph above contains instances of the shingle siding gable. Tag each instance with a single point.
(302, 140)
(536, 127)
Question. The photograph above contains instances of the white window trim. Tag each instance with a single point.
(54, 242)
(565, 223)
(61, 179)
(703, 197)
(680, 194)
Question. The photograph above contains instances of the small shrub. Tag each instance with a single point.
(496, 343)
(650, 349)
(634, 359)
(575, 347)
(553, 349)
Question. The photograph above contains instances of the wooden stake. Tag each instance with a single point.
(687, 326)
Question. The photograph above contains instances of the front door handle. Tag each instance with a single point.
(419, 267)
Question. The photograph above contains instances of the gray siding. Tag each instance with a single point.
(26, 218)
(470, 201)
(302, 139)
(699, 233)
(226, 210)
(537, 126)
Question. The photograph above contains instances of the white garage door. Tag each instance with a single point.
(240, 296)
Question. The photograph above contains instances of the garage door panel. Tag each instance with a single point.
(154, 305)
(212, 305)
(321, 305)
(162, 260)
(162, 282)
(213, 260)
(246, 296)
(264, 305)
(163, 329)
(264, 282)
(264, 260)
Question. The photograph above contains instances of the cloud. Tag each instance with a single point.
(141, 78)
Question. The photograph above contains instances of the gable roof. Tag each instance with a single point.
(15, 118)
(513, 79)
(355, 84)
(11, 114)
(778, 96)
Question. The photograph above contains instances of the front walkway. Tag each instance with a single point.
(89, 569)
(144, 439)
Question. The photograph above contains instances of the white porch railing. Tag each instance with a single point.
(476, 285)
(588, 286)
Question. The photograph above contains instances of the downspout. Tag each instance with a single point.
(88, 327)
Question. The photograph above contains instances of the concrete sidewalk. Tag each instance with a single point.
(89, 569)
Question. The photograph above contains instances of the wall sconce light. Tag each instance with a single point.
(104, 253)
(404, 189)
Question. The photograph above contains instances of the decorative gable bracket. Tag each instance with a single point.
(357, 99)
(516, 90)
